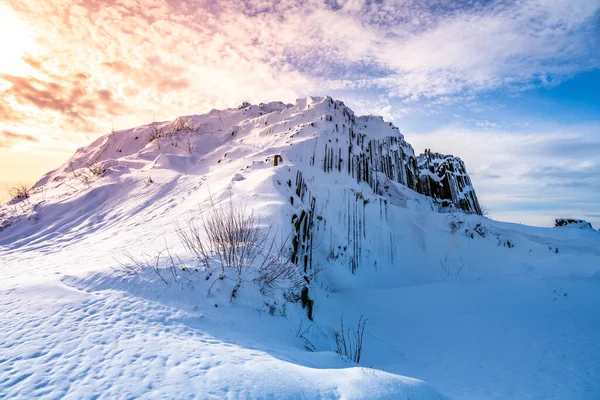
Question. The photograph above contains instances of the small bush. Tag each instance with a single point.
(18, 193)
(180, 124)
(277, 266)
(235, 238)
(349, 343)
(452, 268)
(166, 266)
(302, 335)
(189, 144)
(192, 238)
(234, 234)
(155, 135)
(484, 211)
(96, 169)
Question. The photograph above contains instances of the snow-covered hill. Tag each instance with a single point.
(99, 297)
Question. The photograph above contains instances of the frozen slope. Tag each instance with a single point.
(477, 308)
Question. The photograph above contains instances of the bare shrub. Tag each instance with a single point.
(77, 174)
(302, 335)
(166, 266)
(189, 144)
(91, 170)
(452, 268)
(174, 132)
(180, 124)
(136, 265)
(173, 138)
(277, 267)
(155, 135)
(230, 233)
(349, 343)
(96, 169)
(192, 239)
(81, 176)
(18, 193)
(235, 235)
(484, 211)
(133, 266)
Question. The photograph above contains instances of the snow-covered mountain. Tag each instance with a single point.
(322, 133)
(100, 296)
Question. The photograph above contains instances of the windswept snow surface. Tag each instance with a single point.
(477, 308)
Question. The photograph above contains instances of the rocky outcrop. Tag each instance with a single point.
(572, 223)
(444, 178)
(373, 151)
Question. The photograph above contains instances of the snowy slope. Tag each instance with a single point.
(479, 309)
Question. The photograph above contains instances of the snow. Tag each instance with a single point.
(66, 342)
(476, 308)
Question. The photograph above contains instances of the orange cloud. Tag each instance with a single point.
(8, 138)
(71, 97)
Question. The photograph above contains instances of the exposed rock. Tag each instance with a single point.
(373, 147)
(572, 223)
(445, 179)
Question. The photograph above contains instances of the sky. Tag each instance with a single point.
(511, 87)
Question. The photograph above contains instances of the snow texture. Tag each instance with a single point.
(479, 309)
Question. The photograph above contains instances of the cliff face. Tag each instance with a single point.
(375, 152)
(444, 178)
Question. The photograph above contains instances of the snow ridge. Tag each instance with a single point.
(327, 131)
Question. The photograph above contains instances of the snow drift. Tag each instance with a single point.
(372, 229)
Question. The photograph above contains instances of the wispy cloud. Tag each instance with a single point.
(174, 57)
(8, 138)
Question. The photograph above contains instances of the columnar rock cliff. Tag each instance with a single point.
(374, 152)
(445, 179)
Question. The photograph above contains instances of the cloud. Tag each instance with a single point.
(238, 50)
(12, 135)
(577, 146)
(425, 50)
(70, 97)
(8, 114)
(8, 138)
(152, 76)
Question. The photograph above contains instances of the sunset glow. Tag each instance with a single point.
(17, 41)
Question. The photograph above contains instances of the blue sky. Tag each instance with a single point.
(512, 87)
